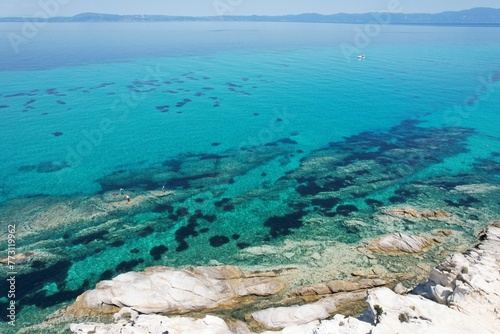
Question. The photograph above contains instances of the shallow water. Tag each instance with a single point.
(268, 134)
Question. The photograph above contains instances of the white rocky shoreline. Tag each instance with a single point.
(462, 295)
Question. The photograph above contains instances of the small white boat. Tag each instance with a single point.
(360, 57)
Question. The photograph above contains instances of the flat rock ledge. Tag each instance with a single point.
(413, 214)
(175, 291)
(399, 243)
(462, 296)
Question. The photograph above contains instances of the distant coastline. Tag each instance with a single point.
(472, 17)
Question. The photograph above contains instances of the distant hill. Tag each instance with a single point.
(474, 16)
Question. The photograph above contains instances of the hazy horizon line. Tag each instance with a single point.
(246, 15)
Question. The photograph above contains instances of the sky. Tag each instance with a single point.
(30, 8)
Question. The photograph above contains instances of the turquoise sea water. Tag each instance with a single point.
(237, 119)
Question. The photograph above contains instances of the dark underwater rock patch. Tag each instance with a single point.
(117, 243)
(362, 172)
(85, 239)
(29, 102)
(27, 168)
(207, 88)
(407, 192)
(282, 225)
(373, 203)
(57, 133)
(183, 233)
(326, 203)
(50, 167)
(298, 206)
(346, 209)
(182, 211)
(161, 208)
(447, 185)
(397, 199)
(182, 103)
(221, 202)
(127, 180)
(173, 164)
(75, 88)
(19, 94)
(164, 108)
(215, 144)
(462, 202)
(242, 245)
(199, 215)
(230, 84)
(157, 251)
(105, 84)
(53, 91)
(37, 265)
(337, 183)
(61, 102)
(218, 240)
(287, 141)
(152, 82)
(3, 106)
(106, 275)
(146, 231)
(125, 266)
(310, 188)
(209, 218)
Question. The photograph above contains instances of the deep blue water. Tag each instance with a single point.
(169, 104)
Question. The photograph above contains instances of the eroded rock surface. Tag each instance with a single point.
(175, 291)
(129, 321)
(282, 317)
(400, 243)
(412, 213)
